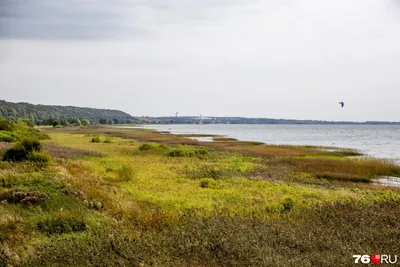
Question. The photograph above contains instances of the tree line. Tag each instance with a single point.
(62, 115)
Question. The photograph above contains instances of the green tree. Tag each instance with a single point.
(64, 122)
(56, 123)
(85, 122)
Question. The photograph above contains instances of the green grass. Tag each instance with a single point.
(154, 199)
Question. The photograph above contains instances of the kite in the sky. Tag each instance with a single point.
(342, 104)
(176, 114)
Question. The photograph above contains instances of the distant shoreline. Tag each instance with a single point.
(242, 120)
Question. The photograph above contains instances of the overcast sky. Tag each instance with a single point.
(278, 58)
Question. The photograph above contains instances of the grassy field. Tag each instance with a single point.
(129, 197)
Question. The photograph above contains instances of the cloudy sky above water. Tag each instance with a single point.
(251, 58)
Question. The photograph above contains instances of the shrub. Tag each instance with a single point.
(22, 132)
(148, 146)
(95, 140)
(16, 153)
(187, 152)
(208, 183)
(288, 204)
(35, 134)
(38, 157)
(180, 153)
(201, 151)
(6, 125)
(107, 141)
(163, 146)
(7, 137)
(31, 145)
(56, 123)
(21, 151)
(62, 225)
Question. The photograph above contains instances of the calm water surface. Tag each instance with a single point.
(374, 140)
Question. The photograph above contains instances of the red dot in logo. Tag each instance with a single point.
(376, 259)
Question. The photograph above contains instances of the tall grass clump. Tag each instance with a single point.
(126, 173)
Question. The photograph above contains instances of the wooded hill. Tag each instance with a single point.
(64, 115)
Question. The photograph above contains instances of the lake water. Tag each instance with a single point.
(381, 141)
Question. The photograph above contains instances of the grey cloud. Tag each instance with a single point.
(69, 19)
(85, 19)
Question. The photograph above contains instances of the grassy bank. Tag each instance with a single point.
(122, 197)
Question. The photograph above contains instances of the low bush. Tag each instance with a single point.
(62, 225)
(6, 125)
(30, 150)
(33, 133)
(208, 183)
(38, 157)
(31, 145)
(288, 204)
(163, 146)
(180, 153)
(19, 135)
(7, 137)
(95, 140)
(201, 151)
(15, 153)
(188, 152)
(148, 146)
